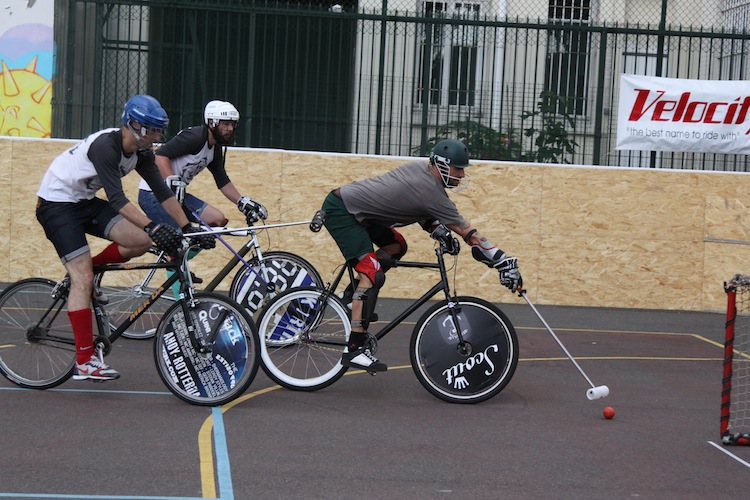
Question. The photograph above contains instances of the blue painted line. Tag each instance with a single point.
(223, 469)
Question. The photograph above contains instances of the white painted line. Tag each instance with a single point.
(721, 448)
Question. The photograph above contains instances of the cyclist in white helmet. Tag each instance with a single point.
(193, 150)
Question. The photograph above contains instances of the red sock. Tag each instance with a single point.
(83, 332)
(110, 255)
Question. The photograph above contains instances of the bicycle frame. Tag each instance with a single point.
(181, 273)
(436, 288)
(238, 255)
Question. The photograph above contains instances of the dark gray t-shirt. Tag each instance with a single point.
(405, 195)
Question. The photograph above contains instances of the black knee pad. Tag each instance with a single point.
(369, 298)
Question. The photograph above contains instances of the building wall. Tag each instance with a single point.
(585, 236)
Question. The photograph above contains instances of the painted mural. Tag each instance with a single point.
(26, 67)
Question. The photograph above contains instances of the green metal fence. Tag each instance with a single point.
(380, 78)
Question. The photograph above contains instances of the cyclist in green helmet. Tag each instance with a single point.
(363, 214)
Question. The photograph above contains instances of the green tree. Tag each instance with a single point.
(484, 143)
(552, 140)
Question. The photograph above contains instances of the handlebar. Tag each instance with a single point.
(245, 231)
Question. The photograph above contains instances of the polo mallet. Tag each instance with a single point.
(596, 392)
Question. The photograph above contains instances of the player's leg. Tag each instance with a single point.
(354, 242)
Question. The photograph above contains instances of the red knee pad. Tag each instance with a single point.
(370, 267)
(401, 241)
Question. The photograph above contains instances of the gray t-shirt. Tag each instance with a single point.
(405, 195)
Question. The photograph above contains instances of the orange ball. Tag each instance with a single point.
(609, 412)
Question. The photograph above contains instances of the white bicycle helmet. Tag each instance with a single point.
(215, 112)
(220, 110)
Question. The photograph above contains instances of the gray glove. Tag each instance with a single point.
(510, 276)
(253, 210)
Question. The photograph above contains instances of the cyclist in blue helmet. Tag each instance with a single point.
(68, 209)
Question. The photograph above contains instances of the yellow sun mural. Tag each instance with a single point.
(28, 95)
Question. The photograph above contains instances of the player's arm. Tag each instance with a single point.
(484, 251)
(165, 166)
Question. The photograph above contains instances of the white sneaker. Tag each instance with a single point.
(93, 369)
(363, 359)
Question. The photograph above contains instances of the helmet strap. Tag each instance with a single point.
(139, 135)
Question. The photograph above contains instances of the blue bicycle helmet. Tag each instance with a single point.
(145, 110)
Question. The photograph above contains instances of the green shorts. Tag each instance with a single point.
(353, 238)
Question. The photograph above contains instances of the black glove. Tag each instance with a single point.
(253, 210)
(316, 224)
(205, 241)
(429, 225)
(447, 240)
(164, 236)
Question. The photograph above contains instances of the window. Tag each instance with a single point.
(448, 55)
(567, 54)
(734, 53)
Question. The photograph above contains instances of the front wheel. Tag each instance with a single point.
(304, 332)
(230, 361)
(474, 371)
(37, 349)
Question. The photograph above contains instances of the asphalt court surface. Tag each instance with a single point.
(387, 437)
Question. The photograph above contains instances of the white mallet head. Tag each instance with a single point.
(599, 392)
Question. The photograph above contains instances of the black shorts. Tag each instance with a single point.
(66, 224)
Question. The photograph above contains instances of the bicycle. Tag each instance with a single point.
(463, 349)
(205, 349)
(262, 276)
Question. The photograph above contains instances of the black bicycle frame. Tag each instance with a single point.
(100, 312)
(437, 287)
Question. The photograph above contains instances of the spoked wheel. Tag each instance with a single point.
(229, 362)
(126, 291)
(37, 349)
(304, 332)
(277, 272)
(470, 372)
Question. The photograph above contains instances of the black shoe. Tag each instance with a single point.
(195, 279)
(363, 359)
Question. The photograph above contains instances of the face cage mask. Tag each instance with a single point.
(443, 165)
(139, 135)
(213, 127)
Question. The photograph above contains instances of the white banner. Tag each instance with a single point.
(673, 114)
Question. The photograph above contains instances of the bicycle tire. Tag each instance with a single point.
(286, 270)
(217, 377)
(126, 291)
(35, 357)
(455, 377)
(302, 342)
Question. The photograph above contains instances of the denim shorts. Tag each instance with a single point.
(151, 207)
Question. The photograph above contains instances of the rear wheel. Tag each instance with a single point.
(276, 272)
(37, 349)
